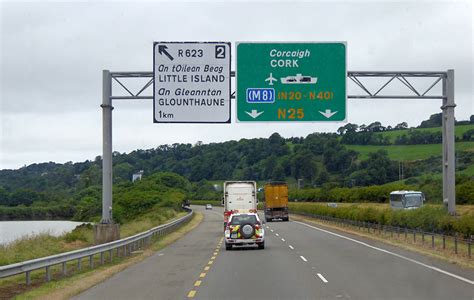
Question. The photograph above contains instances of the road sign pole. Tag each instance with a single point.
(106, 147)
(449, 173)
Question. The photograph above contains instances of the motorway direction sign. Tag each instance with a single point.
(291, 82)
(191, 82)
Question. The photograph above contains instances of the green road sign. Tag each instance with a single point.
(291, 82)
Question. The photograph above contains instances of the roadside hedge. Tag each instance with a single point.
(381, 193)
(60, 212)
(375, 193)
(427, 218)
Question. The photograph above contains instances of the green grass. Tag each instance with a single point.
(409, 152)
(77, 281)
(468, 171)
(459, 131)
(45, 245)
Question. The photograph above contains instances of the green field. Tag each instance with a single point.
(459, 131)
(409, 152)
(468, 171)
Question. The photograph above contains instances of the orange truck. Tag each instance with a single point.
(276, 201)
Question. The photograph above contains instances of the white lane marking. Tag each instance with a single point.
(291, 247)
(392, 253)
(268, 227)
(322, 278)
(282, 240)
(271, 230)
(304, 259)
(277, 234)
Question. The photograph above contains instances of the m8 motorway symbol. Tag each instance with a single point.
(291, 82)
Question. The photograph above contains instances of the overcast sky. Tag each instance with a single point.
(52, 54)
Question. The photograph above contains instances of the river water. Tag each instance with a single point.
(12, 230)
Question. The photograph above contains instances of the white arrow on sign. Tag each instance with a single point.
(328, 113)
(254, 113)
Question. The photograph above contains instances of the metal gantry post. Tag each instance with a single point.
(449, 175)
(106, 147)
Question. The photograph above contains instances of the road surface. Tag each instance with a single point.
(300, 261)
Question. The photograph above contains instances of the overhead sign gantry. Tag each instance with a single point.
(264, 79)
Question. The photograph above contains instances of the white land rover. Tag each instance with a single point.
(244, 229)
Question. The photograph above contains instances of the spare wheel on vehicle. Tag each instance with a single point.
(247, 231)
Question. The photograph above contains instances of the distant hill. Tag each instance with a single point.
(319, 159)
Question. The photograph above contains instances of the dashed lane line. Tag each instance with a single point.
(291, 247)
(197, 283)
(303, 258)
(282, 240)
(277, 234)
(322, 278)
(391, 253)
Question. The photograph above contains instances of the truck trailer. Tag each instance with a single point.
(276, 201)
(239, 197)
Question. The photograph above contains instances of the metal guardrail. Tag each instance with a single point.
(124, 246)
(456, 244)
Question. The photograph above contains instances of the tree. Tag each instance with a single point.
(91, 176)
(4, 196)
(351, 127)
(376, 127)
(341, 130)
(304, 166)
(123, 171)
(435, 120)
(401, 126)
(468, 135)
(379, 168)
(348, 128)
(278, 173)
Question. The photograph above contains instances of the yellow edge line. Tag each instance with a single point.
(191, 294)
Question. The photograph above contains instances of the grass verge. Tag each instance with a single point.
(65, 287)
(407, 244)
(42, 245)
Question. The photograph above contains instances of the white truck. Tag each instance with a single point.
(239, 197)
